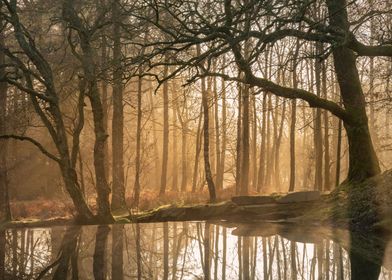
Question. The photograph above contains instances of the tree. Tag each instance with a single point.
(136, 190)
(118, 196)
(89, 66)
(225, 37)
(33, 81)
(206, 143)
(165, 150)
(363, 159)
(5, 211)
(293, 121)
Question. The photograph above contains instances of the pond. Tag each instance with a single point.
(192, 250)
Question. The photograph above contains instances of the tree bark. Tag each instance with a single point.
(238, 159)
(165, 151)
(5, 210)
(206, 141)
(327, 183)
(136, 189)
(244, 177)
(278, 142)
(104, 90)
(206, 138)
(293, 122)
(118, 195)
(318, 137)
(174, 137)
(218, 167)
(224, 137)
(262, 157)
(184, 156)
(254, 143)
(363, 161)
(197, 152)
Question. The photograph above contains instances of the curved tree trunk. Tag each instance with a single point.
(363, 161)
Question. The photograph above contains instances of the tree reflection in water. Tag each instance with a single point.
(190, 250)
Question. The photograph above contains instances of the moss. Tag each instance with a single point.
(362, 204)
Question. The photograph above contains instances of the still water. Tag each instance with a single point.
(192, 250)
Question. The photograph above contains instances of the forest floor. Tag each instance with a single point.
(363, 206)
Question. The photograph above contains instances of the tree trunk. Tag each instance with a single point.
(239, 143)
(154, 133)
(363, 161)
(217, 136)
(244, 177)
(136, 189)
(327, 184)
(206, 141)
(165, 151)
(174, 137)
(262, 157)
(206, 138)
(224, 137)
(254, 143)
(184, 155)
(72, 186)
(118, 195)
(5, 212)
(103, 189)
(278, 142)
(293, 122)
(184, 160)
(318, 137)
(197, 153)
(104, 89)
(269, 160)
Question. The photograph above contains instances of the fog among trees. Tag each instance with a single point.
(110, 106)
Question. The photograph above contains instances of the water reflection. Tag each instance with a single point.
(191, 250)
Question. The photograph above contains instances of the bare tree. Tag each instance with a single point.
(118, 196)
(52, 119)
(88, 63)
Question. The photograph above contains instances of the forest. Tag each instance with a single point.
(183, 119)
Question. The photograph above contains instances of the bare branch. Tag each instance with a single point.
(34, 142)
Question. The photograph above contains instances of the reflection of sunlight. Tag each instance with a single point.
(271, 256)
